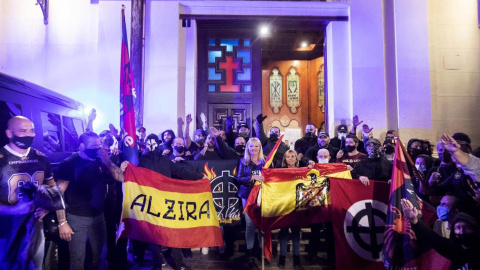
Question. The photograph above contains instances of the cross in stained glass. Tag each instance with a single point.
(229, 66)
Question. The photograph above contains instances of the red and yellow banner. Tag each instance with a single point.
(169, 212)
(292, 197)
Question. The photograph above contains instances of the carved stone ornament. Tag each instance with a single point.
(276, 89)
(321, 89)
(293, 90)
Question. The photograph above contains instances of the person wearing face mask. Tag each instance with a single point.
(415, 148)
(323, 156)
(389, 149)
(225, 151)
(374, 167)
(179, 152)
(198, 142)
(21, 163)
(423, 163)
(151, 143)
(463, 247)
(446, 211)
(461, 153)
(243, 131)
(268, 143)
(307, 141)
(83, 177)
(323, 142)
(339, 141)
(350, 156)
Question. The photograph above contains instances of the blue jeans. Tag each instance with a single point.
(94, 229)
(250, 229)
(283, 237)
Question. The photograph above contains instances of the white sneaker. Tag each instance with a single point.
(204, 251)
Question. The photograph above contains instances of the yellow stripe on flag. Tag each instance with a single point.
(168, 209)
(282, 198)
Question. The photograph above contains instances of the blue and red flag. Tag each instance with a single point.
(401, 248)
(127, 99)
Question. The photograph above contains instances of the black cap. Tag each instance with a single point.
(342, 128)
(323, 133)
(374, 141)
(242, 125)
(459, 136)
(140, 128)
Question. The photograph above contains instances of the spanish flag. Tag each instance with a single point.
(293, 197)
(168, 212)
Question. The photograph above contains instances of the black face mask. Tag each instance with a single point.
(240, 148)
(389, 149)
(274, 137)
(414, 152)
(350, 148)
(201, 142)
(310, 135)
(466, 239)
(22, 142)
(91, 153)
(179, 149)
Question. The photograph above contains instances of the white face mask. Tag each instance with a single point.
(420, 167)
(322, 160)
(342, 136)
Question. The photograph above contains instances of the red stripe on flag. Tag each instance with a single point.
(144, 177)
(288, 174)
(197, 237)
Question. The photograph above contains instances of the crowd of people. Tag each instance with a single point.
(91, 183)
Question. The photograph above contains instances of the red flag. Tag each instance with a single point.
(127, 99)
(358, 214)
(401, 248)
(292, 197)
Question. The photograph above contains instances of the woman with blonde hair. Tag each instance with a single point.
(290, 161)
(250, 170)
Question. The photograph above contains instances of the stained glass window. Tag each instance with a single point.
(229, 65)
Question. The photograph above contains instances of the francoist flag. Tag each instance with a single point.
(168, 212)
(127, 100)
(292, 197)
(358, 215)
(401, 249)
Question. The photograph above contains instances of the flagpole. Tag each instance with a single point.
(263, 251)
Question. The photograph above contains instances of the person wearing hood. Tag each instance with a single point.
(415, 148)
(167, 136)
(152, 142)
(374, 167)
(268, 143)
(463, 247)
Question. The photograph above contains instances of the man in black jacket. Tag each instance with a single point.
(307, 141)
(161, 164)
(323, 141)
(375, 167)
